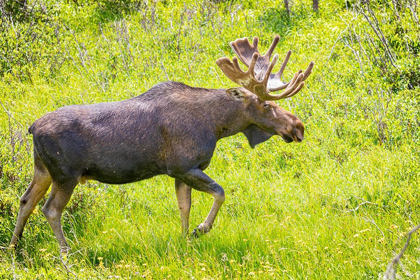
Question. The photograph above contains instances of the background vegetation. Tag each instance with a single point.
(338, 205)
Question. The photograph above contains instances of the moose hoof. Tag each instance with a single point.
(64, 251)
(200, 230)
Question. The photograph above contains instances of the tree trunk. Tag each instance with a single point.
(315, 5)
(286, 5)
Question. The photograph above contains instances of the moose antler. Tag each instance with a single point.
(258, 79)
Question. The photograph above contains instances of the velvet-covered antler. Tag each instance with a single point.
(258, 79)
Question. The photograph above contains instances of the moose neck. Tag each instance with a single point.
(230, 117)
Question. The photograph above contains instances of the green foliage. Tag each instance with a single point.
(334, 206)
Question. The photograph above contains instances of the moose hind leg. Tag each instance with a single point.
(35, 192)
(198, 180)
(53, 209)
(183, 194)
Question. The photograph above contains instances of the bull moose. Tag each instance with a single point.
(170, 129)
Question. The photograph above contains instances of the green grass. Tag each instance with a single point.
(336, 206)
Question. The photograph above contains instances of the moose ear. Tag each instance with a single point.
(235, 94)
(256, 135)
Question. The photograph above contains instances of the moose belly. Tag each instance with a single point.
(119, 174)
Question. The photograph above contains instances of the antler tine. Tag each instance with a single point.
(236, 64)
(308, 70)
(276, 83)
(270, 68)
(273, 46)
(294, 86)
(253, 63)
(297, 89)
(283, 66)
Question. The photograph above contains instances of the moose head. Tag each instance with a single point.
(257, 83)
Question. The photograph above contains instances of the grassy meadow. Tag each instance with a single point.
(336, 206)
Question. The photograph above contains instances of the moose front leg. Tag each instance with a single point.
(198, 180)
(183, 195)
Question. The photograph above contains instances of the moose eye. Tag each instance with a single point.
(266, 106)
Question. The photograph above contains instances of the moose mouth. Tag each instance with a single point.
(290, 138)
(286, 138)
